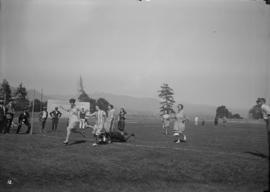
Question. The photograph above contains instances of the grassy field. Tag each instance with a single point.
(231, 158)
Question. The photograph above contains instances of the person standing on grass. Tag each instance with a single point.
(196, 121)
(216, 121)
(55, 115)
(224, 121)
(165, 122)
(110, 119)
(24, 119)
(43, 118)
(179, 124)
(9, 116)
(73, 120)
(82, 118)
(203, 122)
(121, 120)
(99, 126)
(2, 117)
(261, 102)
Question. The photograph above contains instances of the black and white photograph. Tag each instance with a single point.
(134, 95)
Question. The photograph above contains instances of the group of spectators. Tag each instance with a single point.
(7, 114)
(55, 116)
(105, 120)
(179, 119)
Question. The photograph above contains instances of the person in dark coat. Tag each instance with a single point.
(24, 119)
(2, 117)
(9, 116)
(55, 115)
(121, 120)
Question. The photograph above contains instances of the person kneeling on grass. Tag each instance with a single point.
(73, 121)
(114, 136)
(24, 119)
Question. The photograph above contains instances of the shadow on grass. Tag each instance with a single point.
(257, 154)
(78, 142)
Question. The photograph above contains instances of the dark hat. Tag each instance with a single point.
(72, 100)
(263, 100)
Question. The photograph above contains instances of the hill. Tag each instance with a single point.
(143, 105)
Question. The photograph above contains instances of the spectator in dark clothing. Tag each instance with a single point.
(55, 115)
(121, 120)
(9, 116)
(2, 117)
(203, 122)
(216, 121)
(24, 119)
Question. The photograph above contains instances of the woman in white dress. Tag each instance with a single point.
(100, 120)
(73, 121)
(165, 122)
(110, 119)
(179, 124)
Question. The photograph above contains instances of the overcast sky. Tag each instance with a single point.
(209, 51)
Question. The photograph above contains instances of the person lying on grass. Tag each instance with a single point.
(114, 136)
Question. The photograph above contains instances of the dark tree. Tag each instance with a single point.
(103, 104)
(38, 105)
(255, 112)
(21, 102)
(83, 97)
(21, 92)
(5, 91)
(222, 111)
(167, 100)
(236, 116)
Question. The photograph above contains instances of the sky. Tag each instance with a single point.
(209, 51)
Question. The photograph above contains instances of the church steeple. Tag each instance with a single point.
(81, 89)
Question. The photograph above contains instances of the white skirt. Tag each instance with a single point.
(179, 127)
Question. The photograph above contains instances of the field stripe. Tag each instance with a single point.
(237, 155)
(210, 152)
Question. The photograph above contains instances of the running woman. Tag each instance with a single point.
(73, 120)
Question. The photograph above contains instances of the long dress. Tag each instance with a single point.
(109, 121)
(121, 122)
(166, 120)
(100, 115)
(179, 123)
(73, 121)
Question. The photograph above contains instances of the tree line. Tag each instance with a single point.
(20, 101)
(166, 95)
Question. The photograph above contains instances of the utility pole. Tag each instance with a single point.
(33, 107)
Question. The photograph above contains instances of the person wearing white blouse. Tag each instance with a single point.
(73, 120)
